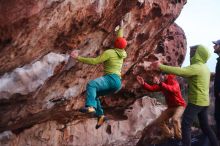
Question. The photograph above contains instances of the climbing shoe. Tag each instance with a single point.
(87, 110)
(101, 120)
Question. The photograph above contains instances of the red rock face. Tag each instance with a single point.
(13, 11)
(39, 84)
(169, 50)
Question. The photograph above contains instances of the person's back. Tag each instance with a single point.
(199, 85)
(112, 59)
(115, 61)
(171, 90)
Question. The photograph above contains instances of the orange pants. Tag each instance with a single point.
(175, 113)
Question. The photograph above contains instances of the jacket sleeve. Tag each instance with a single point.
(101, 58)
(184, 72)
(120, 32)
(170, 88)
(152, 88)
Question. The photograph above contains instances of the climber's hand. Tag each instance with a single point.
(156, 80)
(121, 24)
(117, 28)
(74, 54)
(140, 80)
(155, 65)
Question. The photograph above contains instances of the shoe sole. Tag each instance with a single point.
(105, 121)
(85, 111)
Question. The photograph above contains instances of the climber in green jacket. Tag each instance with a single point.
(110, 82)
(198, 77)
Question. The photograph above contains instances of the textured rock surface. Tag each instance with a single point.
(41, 88)
(83, 133)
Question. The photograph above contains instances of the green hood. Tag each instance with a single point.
(121, 53)
(202, 55)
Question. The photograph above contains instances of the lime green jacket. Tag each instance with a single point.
(197, 74)
(112, 59)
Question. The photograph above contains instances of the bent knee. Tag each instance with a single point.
(90, 83)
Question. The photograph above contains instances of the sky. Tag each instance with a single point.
(200, 20)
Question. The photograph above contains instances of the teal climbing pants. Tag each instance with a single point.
(104, 85)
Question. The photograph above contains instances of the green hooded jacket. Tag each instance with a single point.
(112, 59)
(197, 74)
